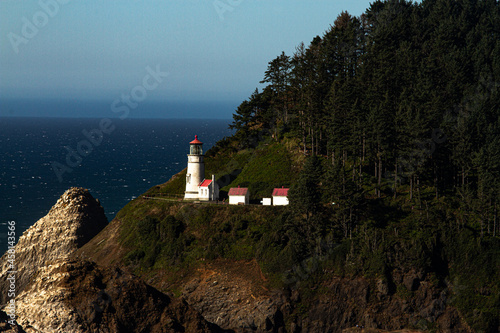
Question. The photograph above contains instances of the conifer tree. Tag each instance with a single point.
(305, 194)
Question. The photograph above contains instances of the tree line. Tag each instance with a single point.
(400, 100)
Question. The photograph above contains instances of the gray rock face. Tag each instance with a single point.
(233, 302)
(78, 296)
(70, 223)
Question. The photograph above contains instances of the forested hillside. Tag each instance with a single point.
(402, 100)
(398, 111)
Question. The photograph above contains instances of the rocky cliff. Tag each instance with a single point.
(230, 295)
(78, 296)
(70, 223)
(351, 302)
(59, 292)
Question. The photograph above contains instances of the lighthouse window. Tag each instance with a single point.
(196, 150)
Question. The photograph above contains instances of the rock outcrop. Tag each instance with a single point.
(230, 294)
(231, 299)
(78, 296)
(70, 223)
(350, 302)
(57, 291)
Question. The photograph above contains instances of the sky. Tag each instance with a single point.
(129, 53)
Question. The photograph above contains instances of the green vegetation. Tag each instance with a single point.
(262, 168)
(386, 128)
(265, 168)
(162, 234)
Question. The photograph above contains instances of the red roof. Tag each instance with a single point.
(238, 191)
(205, 183)
(280, 192)
(196, 141)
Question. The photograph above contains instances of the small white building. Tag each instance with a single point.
(208, 190)
(267, 201)
(239, 196)
(280, 196)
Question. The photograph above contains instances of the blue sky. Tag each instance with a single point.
(212, 50)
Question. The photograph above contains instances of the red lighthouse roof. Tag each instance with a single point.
(196, 141)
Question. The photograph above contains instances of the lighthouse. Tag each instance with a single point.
(195, 170)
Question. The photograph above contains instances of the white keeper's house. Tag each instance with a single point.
(197, 187)
(208, 190)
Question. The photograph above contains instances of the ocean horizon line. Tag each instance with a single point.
(148, 109)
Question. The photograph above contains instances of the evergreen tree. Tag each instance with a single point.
(278, 75)
(305, 194)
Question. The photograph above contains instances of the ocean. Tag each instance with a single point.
(117, 160)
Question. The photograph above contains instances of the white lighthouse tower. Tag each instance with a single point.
(195, 170)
